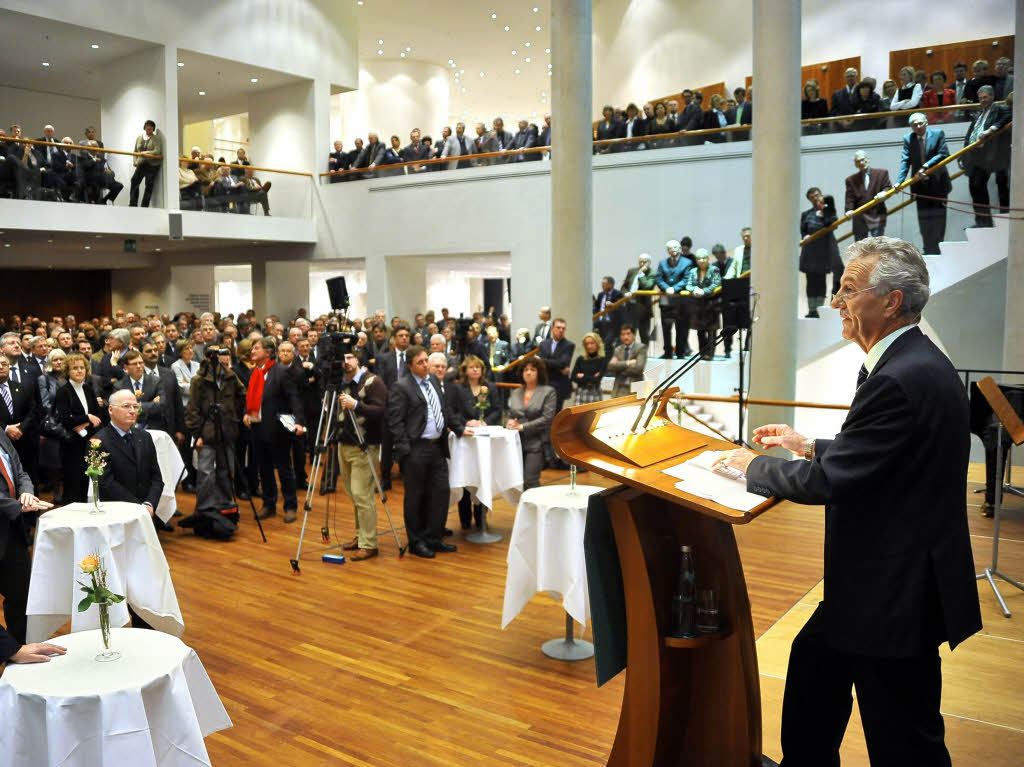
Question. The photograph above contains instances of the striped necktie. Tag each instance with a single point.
(433, 406)
(6, 391)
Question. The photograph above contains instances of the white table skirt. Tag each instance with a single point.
(545, 552)
(171, 469)
(488, 464)
(152, 707)
(136, 567)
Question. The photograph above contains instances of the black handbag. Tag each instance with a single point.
(54, 429)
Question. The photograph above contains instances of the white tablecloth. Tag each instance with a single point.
(488, 464)
(171, 469)
(124, 536)
(153, 706)
(545, 552)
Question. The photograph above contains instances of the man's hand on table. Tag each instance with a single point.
(30, 503)
(37, 652)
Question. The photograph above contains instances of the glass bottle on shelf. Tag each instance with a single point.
(684, 600)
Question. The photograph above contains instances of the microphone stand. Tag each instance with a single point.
(682, 370)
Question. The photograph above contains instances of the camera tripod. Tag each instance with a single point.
(324, 434)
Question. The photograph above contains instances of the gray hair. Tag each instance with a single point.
(900, 267)
(120, 396)
(438, 337)
(673, 245)
(121, 335)
(860, 153)
(34, 340)
(987, 89)
(917, 117)
(10, 334)
(645, 257)
(55, 354)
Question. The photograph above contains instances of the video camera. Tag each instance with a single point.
(332, 348)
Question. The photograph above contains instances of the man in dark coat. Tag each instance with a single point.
(899, 573)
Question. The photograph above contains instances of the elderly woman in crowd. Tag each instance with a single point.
(185, 368)
(80, 410)
(531, 408)
(589, 369)
(701, 282)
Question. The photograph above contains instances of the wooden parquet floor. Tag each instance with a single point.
(403, 662)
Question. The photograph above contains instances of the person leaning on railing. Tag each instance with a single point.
(991, 156)
(939, 96)
(813, 107)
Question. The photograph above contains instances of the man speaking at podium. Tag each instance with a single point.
(899, 574)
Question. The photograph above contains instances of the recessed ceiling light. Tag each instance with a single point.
(408, 49)
(549, 73)
(88, 247)
(463, 90)
(513, 51)
(94, 46)
(202, 93)
(481, 74)
(543, 101)
(46, 63)
(451, 61)
(380, 42)
(181, 63)
(359, 2)
(380, 51)
(507, 27)
(547, 50)
(537, 27)
(462, 71)
(517, 71)
(528, 59)
(254, 79)
(494, 15)
(543, 93)
(536, 9)
(527, 43)
(402, 54)
(549, 66)
(534, 114)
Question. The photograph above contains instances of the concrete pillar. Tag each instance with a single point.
(287, 288)
(170, 125)
(571, 172)
(405, 287)
(259, 288)
(1013, 338)
(776, 146)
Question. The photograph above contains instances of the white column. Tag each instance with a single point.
(1013, 337)
(170, 125)
(776, 146)
(259, 288)
(571, 172)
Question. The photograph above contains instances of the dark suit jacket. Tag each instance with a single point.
(899, 574)
(166, 415)
(132, 474)
(463, 403)
(938, 184)
(280, 397)
(646, 282)
(990, 155)
(857, 194)
(843, 102)
(614, 129)
(68, 409)
(28, 407)
(387, 368)
(407, 414)
(11, 525)
(556, 360)
(612, 319)
(747, 118)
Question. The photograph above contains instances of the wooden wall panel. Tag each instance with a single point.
(945, 56)
(51, 292)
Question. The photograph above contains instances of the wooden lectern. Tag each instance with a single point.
(687, 701)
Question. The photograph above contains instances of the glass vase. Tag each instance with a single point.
(107, 654)
(96, 508)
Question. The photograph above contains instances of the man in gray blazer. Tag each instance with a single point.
(449, 147)
(483, 143)
(627, 362)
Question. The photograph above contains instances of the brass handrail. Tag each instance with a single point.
(245, 167)
(900, 187)
(902, 205)
(81, 147)
(517, 361)
(758, 401)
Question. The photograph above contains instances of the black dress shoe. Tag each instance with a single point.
(243, 496)
(266, 513)
(421, 549)
(446, 548)
(448, 531)
(161, 526)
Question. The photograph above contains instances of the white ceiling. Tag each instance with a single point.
(227, 85)
(463, 30)
(74, 65)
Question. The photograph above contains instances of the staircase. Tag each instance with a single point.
(959, 259)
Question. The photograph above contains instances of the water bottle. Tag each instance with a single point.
(684, 601)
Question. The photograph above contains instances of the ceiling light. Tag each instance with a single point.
(494, 15)
(380, 42)
(158, 250)
(481, 74)
(94, 46)
(462, 71)
(50, 241)
(543, 101)
(537, 28)
(202, 93)
(452, 62)
(536, 9)
(527, 43)
(549, 66)
(181, 63)
(513, 51)
(463, 90)
(549, 73)
(88, 247)
(543, 93)
(408, 49)
(380, 51)
(359, 2)
(402, 54)
(46, 63)
(527, 59)
(534, 114)
(507, 27)
(547, 50)
(7, 244)
(254, 79)
(517, 71)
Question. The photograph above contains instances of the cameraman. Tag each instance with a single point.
(217, 399)
(363, 396)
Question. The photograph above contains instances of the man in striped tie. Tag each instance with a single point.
(419, 420)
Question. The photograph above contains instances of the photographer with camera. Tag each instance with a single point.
(821, 256)
(363, 397)
(215, 408)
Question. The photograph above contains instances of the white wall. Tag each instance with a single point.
(279, 126)
(393, 98)
(68, 115)
(192, 288)
(649, 48)
(142, 290)
(134, 90)
(287, 288)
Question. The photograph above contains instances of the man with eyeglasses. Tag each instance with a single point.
(899, 572)
(924, 148)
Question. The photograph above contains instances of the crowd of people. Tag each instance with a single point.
(667, 123)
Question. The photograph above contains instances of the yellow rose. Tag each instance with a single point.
(95, 442)
(90, 563)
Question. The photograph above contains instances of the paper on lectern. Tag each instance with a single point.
(697, 478)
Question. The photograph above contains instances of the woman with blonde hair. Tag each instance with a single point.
(589, 369)
(908, 95)
(478, 404)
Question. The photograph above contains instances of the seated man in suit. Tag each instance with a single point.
(16, 497)
(419, 420)
(97, 176)
(133, 473)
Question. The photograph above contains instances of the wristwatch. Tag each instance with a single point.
(809, 449)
